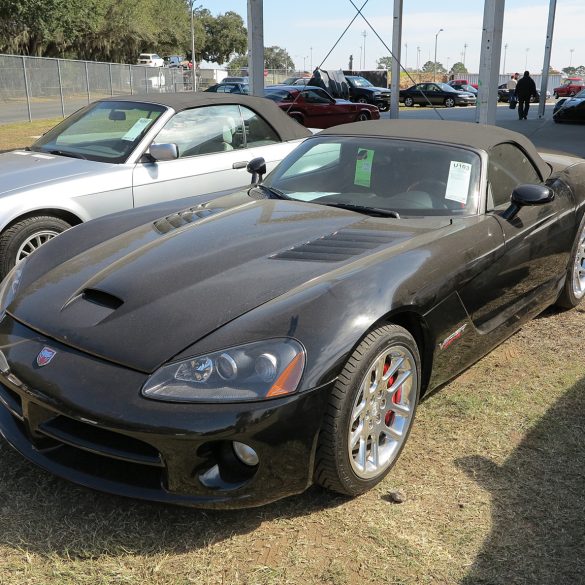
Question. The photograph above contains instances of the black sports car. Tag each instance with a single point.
(234, 350)
(570, 109)
(436, 94)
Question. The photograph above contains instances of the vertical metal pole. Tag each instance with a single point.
(194, 70)
(547, 51)
(256, 46)
(131, 80)
(111, 83)
(396, 43)
(489, 62)
(26, 88)
(60, 87)
(87, 83)
(146, 79)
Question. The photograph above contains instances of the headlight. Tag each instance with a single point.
(254, 371)
(377, 93)
(9, 286)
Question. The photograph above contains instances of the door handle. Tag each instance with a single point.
(240, 165)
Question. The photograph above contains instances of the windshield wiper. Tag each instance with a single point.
(365, 209)
(273, 192)
(65, 153)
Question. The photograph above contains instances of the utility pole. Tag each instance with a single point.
(405, 55)
(194, 84)
(435, 62)
(311, 58)
(418, 58)
(364, 34)
(547, 51)
(256, 47)
(396, 44)
(505, 51)
(464, 53)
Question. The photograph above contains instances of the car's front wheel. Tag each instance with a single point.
(449, 102)
(24, 237)
(362, 100)
(362, 117)
(574, 289)
(408, 102)
(370, 412)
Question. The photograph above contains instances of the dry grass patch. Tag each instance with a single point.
(23, 134)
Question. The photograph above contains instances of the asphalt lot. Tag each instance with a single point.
(544, 133)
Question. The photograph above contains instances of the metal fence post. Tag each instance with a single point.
(131, 80)
(87, 82)
(26, 88)
(60, 87)
(111, 84)
(146, 80)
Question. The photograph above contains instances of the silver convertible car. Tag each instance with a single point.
(119, 153)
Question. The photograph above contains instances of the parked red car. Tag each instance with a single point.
(315, 108)
(570, 87)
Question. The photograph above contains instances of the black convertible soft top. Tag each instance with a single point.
(285, 126)
(478, 136)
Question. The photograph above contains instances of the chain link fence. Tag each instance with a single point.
(33, 88)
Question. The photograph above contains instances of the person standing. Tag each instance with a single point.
(511, 85)
(525, 89)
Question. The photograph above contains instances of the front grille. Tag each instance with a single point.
(12, 401)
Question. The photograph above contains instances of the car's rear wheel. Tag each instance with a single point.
(362, 100)
(370, 412)
(362, 117)
(449, 102)
(24, 237)
(574, 288)
(408, 102)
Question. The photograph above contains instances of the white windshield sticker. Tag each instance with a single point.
(310, 195)
(136, 129)
(458, 182)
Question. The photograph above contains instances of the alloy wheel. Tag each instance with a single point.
(33, 242)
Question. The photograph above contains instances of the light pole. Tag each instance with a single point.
(311, 58)
(435, 63)
(418, 58)
(405, 55)
(194, 85)
(526, 60)
(464, 53)
(505, 51)
(364, 34)
(571, 57)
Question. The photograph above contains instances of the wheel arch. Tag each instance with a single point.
(68, 216)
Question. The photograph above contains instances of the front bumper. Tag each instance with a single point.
(84, 419)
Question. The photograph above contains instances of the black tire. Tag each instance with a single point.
(41, 227)
(409, 102)
(362, 117)
(449, 102)
(570, 297)
(337, 467)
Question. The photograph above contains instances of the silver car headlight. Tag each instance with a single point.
(9, 286)
(254, 371)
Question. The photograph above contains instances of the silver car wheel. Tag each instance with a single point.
(579, 266)
(382, 412)
(33, 242)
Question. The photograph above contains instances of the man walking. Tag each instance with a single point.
(525, 89)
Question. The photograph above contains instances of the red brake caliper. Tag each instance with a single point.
(389, 418)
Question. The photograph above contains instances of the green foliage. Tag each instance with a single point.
(458, 69)
(274, 58)
(429, 67)
(221, 36)
(384, 62)
(572, 71)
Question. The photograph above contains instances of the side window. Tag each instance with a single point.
(508, 167)
(258, 131)
(315, 97)
(204, 130)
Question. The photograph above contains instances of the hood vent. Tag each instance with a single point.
(177, 220)
(338, 246)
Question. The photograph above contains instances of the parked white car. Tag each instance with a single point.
(120, 153)
(150, 60)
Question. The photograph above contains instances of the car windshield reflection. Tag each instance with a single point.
(408, 177)
(106, 131)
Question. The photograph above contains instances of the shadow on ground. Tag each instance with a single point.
(538, 518)
(43, 514)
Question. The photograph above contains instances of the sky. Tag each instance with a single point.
(308, 29)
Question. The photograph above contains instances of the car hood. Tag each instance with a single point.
(142, 297)
(22, 170)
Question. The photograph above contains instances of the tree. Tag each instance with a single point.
(429, 67)
(222, 36)
(384, 62)
(274, 58)
(569, 71)
(458, 69)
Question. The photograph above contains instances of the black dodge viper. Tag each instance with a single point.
(232, 349)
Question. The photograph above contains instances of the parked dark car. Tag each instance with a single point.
(464, 87)
(315, 108)
(174, 61)
(243, 88)
(436, 94)
(570, 109)
(231, 350)
(504, 94)
(364, 92)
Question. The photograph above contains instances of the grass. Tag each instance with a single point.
(492, 475)
(21, 134)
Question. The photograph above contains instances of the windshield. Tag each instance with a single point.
(446, 87)
(360, 82)
(581, 94)
(104, 131)
(409, 177)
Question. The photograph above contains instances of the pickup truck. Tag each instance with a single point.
(362, 91)
(570, 87)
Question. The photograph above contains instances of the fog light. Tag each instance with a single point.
(246, 454)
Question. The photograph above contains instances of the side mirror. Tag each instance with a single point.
(257, 168)
(164, 151)
(528, 195)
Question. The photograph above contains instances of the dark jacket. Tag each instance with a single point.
(526, 88)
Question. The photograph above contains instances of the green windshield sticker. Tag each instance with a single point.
(363, 167)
